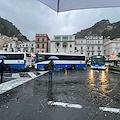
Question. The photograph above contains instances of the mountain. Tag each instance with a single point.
(7, 28)
(103, 28)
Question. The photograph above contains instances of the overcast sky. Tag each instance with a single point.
(32, 17)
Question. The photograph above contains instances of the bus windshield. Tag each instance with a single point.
(97, 60)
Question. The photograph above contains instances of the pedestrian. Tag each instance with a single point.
(2, 68)
(50, 67)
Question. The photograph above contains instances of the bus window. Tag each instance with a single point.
(41, 58)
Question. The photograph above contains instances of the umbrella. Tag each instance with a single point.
(66, 5)
(53, 57)
(2, 57)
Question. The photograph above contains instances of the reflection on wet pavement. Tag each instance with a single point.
(93, 89)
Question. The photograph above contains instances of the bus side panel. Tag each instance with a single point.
(15, 64)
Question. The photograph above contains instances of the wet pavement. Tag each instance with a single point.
(91, 89)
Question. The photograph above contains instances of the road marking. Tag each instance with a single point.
(32, 75)
(15, 75)
(112, 110)
(65, 104)
(4, 87)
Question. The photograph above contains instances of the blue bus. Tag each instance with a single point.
(98, 62)
(17, 60)
(65, 60)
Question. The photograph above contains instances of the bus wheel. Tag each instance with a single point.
(72, 67)
(46, 67)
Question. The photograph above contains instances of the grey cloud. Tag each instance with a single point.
(32, 17)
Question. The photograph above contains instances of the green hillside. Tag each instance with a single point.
(7, 28)
(104, 28)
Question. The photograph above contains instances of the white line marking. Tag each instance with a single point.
(115, 110)
(65, 104)
(15, 75)
(4, 87)
(32, 75)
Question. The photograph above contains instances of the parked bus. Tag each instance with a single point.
(98, 62)
(65, 60)
(17, 60)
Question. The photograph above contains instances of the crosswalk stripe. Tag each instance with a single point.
(4, 87)
(65, 104)
(15, 75)
(31, 74)
(112, 110)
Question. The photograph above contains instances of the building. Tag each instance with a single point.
(5, 39)
(112, 48)
(26, 47)
(41, 43)
(18, 46)
(90, 45)
(63, 44)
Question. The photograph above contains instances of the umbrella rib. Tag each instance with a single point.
(58, 6)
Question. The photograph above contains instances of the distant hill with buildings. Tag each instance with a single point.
(7, 28)
(102, 28)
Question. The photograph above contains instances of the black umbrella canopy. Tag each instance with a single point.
(67, 5)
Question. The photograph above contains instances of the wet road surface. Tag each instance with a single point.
(91, 89)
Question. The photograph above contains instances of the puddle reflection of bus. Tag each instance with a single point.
(16, 60)
(71, 61)
(98, 62)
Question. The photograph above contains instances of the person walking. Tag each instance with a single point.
(50, 67)
(2, 68)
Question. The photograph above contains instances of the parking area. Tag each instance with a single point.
(71, 95)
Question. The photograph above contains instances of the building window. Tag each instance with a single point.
(42, 45)
(70, 37)
(38, 46)
(56, 50)
(42, 51)
(81, 48)
(43, 40)
(81, 41)
(88, 48)
(88, 54)
(88, 42)
(92, 53)
(57, 44)
(92, 48)
(38, 39)
(26, 44)
(10, 45)
(64, 38)
(57, 38)
(98, 48)
(75, 48)
(32, 45)
(98, 53)
(81, 53)
(98, 42)
(92, 42)
(70, 45)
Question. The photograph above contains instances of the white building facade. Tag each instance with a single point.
(92, 45)
(18, 46)
(63, 44)
(112, 48)
(27, 47)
